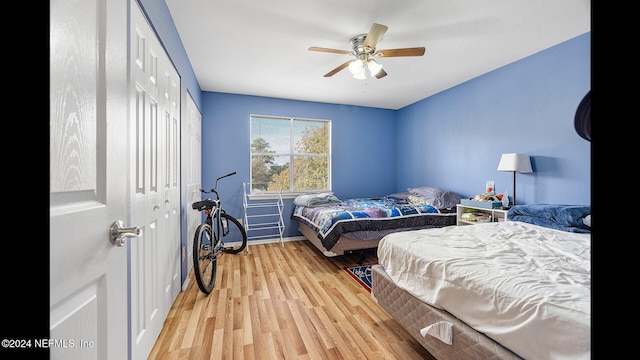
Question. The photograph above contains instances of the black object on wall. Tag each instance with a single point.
(582, 121)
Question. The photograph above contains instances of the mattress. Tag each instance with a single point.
(525, 286)
(361, 215)
(414, 315)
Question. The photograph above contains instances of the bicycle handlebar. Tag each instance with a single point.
(214, 189)
(229, 174)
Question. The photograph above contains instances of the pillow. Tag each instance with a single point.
(587, 220)
(438, 198)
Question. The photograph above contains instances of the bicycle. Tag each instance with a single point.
(220, 233)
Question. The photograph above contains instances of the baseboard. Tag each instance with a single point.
(269, 241)
(185, 284)
(275, 240)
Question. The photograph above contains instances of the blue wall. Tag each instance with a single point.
(452, 140)
(363, 145)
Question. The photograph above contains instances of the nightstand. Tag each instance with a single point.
(491, 215)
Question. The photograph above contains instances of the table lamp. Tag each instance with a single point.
(516, 163)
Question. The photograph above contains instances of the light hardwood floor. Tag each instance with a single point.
(291, 302)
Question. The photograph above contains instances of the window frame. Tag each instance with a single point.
(291, 154)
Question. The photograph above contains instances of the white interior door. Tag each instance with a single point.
(192, 160)
(155, 201)
(88, 178)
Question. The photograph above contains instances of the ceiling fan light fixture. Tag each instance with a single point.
(363, 47)
(374, 67)
(356, 68)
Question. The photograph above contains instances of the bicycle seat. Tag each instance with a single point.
(205, 204)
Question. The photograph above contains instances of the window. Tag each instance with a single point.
(289, 154)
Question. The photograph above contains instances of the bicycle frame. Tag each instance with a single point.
(215, 212)
(220, 225)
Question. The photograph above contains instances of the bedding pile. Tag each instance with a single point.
(525, 286)
(436, 197)
(571, 218)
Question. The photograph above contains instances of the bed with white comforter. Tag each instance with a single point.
(526, 287)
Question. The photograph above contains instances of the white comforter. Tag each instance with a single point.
(525, 286)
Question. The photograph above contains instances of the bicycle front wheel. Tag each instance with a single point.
(204, 259)
(234, 236)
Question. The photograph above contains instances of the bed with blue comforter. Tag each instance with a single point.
(359, 223)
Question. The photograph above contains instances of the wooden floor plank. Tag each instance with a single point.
(291, 302)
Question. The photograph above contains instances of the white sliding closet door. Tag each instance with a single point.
(155, 168)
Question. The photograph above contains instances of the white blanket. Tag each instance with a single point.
(321, 199)
(525, 286)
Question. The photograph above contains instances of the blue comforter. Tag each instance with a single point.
(560, 217)
(367, 214)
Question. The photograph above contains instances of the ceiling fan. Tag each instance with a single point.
(363, 47)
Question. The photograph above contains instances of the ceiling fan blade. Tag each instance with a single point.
(416, 51)
(334, 71)
(321, 49)
(375, 34)
(381, 74)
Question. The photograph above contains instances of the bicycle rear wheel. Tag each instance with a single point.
(205, 263)
(234, 236)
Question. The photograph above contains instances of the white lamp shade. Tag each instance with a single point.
(356, 67)
(374, 67)
(515, 162)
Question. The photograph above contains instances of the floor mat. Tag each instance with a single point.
(362, 274)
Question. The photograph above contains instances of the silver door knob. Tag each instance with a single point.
(117, 233)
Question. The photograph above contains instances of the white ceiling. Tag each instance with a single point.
(260, 47)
